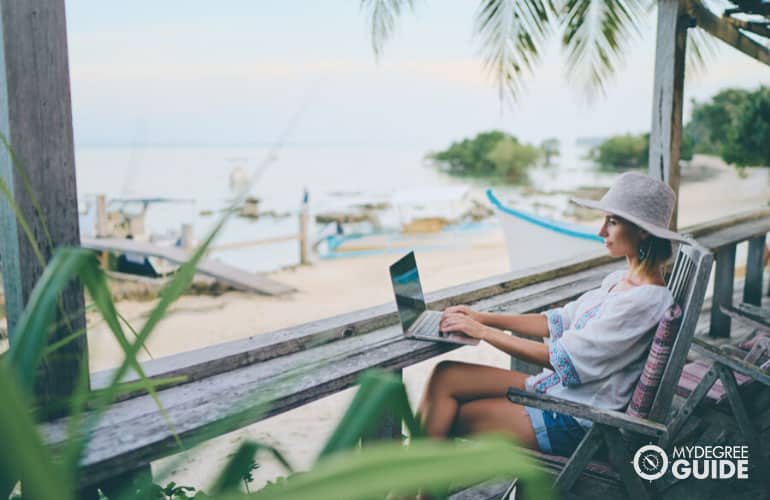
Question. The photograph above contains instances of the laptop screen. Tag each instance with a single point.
(406, 286)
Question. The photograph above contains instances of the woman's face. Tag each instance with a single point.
(620, 236)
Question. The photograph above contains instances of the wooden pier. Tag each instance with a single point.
(236, 278)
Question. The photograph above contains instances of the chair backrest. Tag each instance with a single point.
(688, 281)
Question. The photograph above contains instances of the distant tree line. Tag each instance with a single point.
(734, 124)
(494, 154)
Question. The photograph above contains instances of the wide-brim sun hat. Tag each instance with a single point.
(641, 200)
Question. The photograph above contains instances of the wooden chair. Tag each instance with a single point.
(731, 365)
(615, 429)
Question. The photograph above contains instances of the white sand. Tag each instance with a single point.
(329, 288)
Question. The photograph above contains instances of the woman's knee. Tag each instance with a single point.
(443, 374)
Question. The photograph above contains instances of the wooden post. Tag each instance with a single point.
(102, 228)
(668, 93)
(752, 287)
(36, 118)
(187, 236)
(723, 290)
(304, 225)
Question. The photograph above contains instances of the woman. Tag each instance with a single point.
(598, 343)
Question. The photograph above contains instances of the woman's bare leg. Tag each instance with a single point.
(454, 384)
(495, 415)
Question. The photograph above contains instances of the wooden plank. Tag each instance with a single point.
(758, 458)
(716, 240)
(761, 29)
(597, 415)
(237, 278)
(712, 352)
(752, 287)
(700, 230)
(723, 291)
(36, 118)
(620, 458)
(743, 315)
(693, 400)
(697, 262)
(524, 295)
(729, 34)
(583, 454)
(215, 405)
(666, 131)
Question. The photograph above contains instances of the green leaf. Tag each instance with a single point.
(382, 16)
(379, 392)
(596, 36)
(511, 34)
(24, 457)
(427, 465)
(230, 477)
(27, 350)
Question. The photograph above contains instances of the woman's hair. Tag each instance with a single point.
(657, 251)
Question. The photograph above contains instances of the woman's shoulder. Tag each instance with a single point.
(613, 278)
(644, 299)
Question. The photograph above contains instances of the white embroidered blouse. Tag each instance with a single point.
(598, 344)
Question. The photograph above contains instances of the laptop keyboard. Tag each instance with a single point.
(428, 324)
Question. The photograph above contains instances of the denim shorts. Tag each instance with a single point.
(556, 434)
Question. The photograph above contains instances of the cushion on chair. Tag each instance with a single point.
(657, 359)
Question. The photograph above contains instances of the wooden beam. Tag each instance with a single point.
(36, 118)
(668, 91)
(729, 34)
(760, 29)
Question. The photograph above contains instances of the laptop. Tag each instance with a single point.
(416, 321)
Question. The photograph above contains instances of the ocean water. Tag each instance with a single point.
(335, 178)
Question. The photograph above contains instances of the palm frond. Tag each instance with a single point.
(511, 33)
(382, 16)
(701, 48)
(596, 35)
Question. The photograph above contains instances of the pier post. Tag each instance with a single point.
(304, 225)
(102, 228)
(187, 236)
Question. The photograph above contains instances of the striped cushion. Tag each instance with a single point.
(662, 342)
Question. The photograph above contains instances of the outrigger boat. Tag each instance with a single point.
(538, 240)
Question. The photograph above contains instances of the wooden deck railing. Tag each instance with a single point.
(234, 384)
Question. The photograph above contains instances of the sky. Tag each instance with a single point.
(244, 72)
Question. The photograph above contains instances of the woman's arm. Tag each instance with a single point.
(529, 325)
(531, 351)
(527, 350)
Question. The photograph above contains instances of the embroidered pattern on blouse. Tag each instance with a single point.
(586, 316)
(562, 364)
(546, 382)
(555, 323)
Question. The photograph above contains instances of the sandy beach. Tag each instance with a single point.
(326, 288)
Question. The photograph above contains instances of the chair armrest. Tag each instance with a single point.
(611, 418)
(748, 314)
(714, 353)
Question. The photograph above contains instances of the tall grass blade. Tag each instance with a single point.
(379, 392)
(24, 457)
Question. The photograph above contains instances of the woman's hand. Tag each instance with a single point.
(463, 309)
(458, 322)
